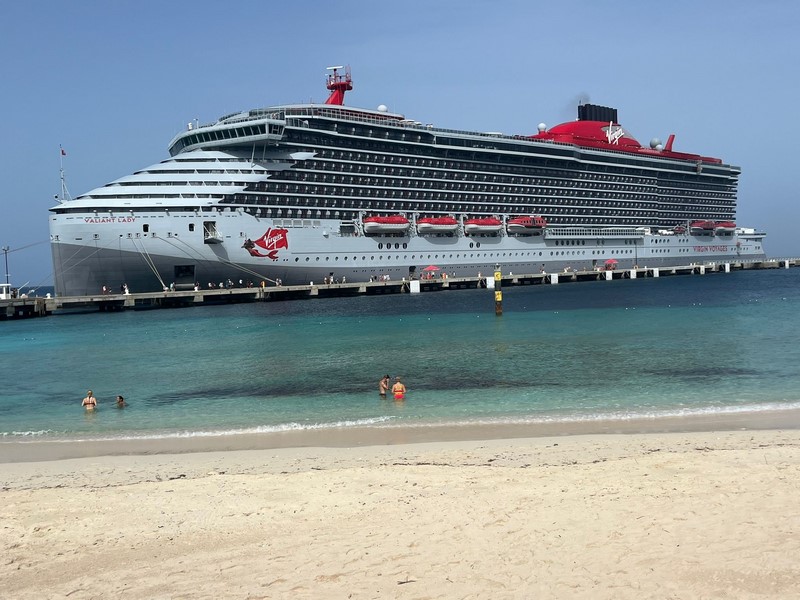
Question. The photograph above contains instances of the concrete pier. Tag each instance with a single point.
(18, 308)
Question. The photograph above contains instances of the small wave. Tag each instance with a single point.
(283, 427)
(605, 416)
(26, 433)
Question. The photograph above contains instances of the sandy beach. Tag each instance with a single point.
(693, 514)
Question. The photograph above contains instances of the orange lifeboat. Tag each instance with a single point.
(437, 225)
(527, 225)
(702, 227)
(725, 228)
(482, 225)
(393, 224)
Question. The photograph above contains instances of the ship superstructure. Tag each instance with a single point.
(312, 192)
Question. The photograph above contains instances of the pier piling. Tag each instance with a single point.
(498, 291)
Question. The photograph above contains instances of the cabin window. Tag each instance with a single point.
(145, 227)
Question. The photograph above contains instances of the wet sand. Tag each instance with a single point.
(36, 450)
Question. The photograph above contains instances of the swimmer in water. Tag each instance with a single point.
(90, 402)
(383, 386)
(398, 389)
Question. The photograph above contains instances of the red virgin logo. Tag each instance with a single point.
(267, 245)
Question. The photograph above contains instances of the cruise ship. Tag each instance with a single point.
(306, 193)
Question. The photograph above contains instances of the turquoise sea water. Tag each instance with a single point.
(595, 350)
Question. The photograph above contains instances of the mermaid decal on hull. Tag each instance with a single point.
(267, 245)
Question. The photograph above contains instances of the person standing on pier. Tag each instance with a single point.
(90, 402)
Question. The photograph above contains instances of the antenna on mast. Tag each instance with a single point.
(64, 191)
(338, 85)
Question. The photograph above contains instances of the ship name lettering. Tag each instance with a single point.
(719, 248)
(98, 220)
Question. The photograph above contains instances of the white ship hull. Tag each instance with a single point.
(308, 250)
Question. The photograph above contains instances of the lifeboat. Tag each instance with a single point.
(679, 229)
(527, 225)
(437, 225)
(702, 227)
(484, 225)
(393, 224)
(725, 228)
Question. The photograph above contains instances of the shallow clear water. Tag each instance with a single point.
(621, 349)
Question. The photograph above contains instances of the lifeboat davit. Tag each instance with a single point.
(437, 225)
(527, 225)
(725, 228)
(702, 227)
(484, 225)
(393, 224)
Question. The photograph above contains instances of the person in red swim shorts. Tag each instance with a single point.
(398, 389)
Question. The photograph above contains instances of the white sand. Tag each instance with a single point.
(677, 515)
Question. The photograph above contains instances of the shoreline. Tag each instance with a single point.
(39, 450)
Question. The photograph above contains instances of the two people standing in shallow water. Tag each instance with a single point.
(398, 389)
(90, 402)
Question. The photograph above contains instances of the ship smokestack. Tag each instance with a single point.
(595, 112)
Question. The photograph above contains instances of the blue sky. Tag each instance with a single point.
(114, 81)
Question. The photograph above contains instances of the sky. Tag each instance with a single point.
(113, 81)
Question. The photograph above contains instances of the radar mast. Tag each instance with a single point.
(64, 191)
(338, 84)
